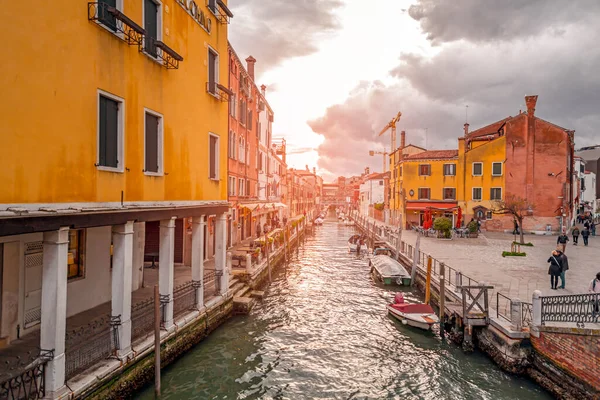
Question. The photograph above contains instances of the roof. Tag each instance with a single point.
(489, 129)
(376, 175)
(433, 155)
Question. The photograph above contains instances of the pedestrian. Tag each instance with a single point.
(564, 264)
(478, 225)
(586, 224)
(258, 232)
(595, 289)
(575, 233)
(516, 230)
(554, 269)
(585, 234)
(561, 241)
(593, 228)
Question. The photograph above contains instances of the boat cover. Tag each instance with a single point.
(414, 308)
(388, 266)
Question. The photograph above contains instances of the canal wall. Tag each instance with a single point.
(565, 360)
(123, 379)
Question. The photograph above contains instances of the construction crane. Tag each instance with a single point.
(392, 125)
(384, 154)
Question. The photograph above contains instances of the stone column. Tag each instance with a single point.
(536, 312)
(198, 224)
(166, 272)
(121, 285)
(220, 252)
(515, 314)
(54, 307)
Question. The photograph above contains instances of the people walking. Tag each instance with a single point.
(561, 241)
(564, 266)
(585, 234)
(554, 269)
(595, 289)
(575, 233)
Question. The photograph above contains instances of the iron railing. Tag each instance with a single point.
(526, 314)
(29, 383)
(142, 319)
(213, 277)
(577, 308)
(184, 298)
(87, 345)
(503, 310)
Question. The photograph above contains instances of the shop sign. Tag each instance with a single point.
(196, 13)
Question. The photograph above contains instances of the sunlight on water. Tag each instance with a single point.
(322, 332)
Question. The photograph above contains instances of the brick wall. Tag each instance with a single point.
(576, 353)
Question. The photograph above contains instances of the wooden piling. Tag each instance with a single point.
(156, 342)
(428, 282)
(268, 245)
(442, 296)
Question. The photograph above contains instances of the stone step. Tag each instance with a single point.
(257, 294)
(243, 305)
(237, 287)
(244, 292)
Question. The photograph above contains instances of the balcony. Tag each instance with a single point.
(114, 20)
(221, 12)
(219, 91)
(169, 57)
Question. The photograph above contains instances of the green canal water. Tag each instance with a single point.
(322, 332)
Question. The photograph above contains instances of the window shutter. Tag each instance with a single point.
(151, 143)
(211, 69)
(102, 133)
(151, 26)
(109, 133)
(104, 16)
(213, 158)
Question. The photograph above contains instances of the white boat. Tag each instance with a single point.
(352, 245)
(387, 270)
(318, 221)
(418, 315)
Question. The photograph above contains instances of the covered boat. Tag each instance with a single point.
(318, 221)
(418, 315)
(387, 270)
(352, 242)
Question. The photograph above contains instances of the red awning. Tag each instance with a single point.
(417, 205)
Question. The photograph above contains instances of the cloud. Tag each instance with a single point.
(280, 29)
(498, 20)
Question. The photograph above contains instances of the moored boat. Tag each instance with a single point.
(387, 270)
(352, 242)
(418, 315)
(318, 221)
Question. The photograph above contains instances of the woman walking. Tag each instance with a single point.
(575, 233)
(554, 270)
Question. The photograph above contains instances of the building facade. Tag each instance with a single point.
(108, 165)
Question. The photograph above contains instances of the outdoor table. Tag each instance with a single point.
(154, 257)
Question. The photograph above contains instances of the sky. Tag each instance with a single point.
(337, 71)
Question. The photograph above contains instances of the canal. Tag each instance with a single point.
(322, 332)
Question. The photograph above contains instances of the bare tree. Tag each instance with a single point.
(516, 206)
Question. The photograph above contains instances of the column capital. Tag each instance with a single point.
(123, 229)
(199, 220)
(222, 217)
(168, 223)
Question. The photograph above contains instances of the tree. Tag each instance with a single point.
(444, 225)
(516, 206)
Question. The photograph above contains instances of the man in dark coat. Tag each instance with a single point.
(561, 241)
(575, 233)
(554, 269)
(564, 264)
(585, 234)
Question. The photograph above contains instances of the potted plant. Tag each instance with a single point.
(473, 228)
(444, 227)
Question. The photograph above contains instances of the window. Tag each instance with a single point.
(152, 25)
(477, 194)
(110, 132)
(248, 189)
(497, 169)
(449, 169)
(243, 111)
(242, 152)
(424, 169)
(496, 194)
(213, 70)
(249, 124)
(477, 169)
(153, 146)
(400, 171)
(231, 145)
(213, 156)
(231, 186)
(212, 6)
(480, 214)
(232, 105)
(76, 254)
(106, 18)
(242, 186)
(449, 194)
(424, 193)
(380, 183)
(488, 215)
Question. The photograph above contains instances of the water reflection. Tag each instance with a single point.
(322, 332)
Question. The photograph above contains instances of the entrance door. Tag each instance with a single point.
(32, 310)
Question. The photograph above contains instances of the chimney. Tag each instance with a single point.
(466, 128)
(314, 170)
(250, 61)
(402, 139)
(530, 101)
(263, 89)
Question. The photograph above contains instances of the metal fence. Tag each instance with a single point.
(89, 344)
(184, 298)
(577, 308)
(213, 277)
(142, 319)
(503, 306)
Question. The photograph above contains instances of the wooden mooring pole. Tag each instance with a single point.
(268, 245)
(156, 342)
(428, 281)
(442, 296)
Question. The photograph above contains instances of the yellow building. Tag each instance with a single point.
(114, 143)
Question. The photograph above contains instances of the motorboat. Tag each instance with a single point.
(387, 270)
(318, 221)
(418, 315)
(352, 242)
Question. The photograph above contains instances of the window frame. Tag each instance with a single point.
(444, 193)
(473, 168)
(217, 177)
(428, 169)
(119, 6)
(428, 193)
(81, 249)
(241, 187)
(120, 132)
(210, 49)
(491, 191)
(501, 168)
(159, 28)
(480, 193)
(230, 187)
(453, 169)
(160, 151)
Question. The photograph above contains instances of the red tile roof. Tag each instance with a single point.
(489, 129)
(433, 154)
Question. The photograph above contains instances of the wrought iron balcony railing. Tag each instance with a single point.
(116, 21)
(218, 90)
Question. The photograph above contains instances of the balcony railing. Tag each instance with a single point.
(222, 12)
(218, 90)
(159, 50)
(116, 21)
(577, 308)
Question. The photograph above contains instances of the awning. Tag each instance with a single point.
(422, 206)
(263, 206)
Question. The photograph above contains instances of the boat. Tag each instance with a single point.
(352, 242)
(418, 315)
(318, 221)
(387, 270)
(348, 222)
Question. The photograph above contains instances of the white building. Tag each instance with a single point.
(578, 182)
(588, 196)
(372, 191)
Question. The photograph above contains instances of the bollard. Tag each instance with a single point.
(515, 314)
(248, 263)
(536, 313)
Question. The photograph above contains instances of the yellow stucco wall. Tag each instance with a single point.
(487, 153)
(56, 61)
(435, 182)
